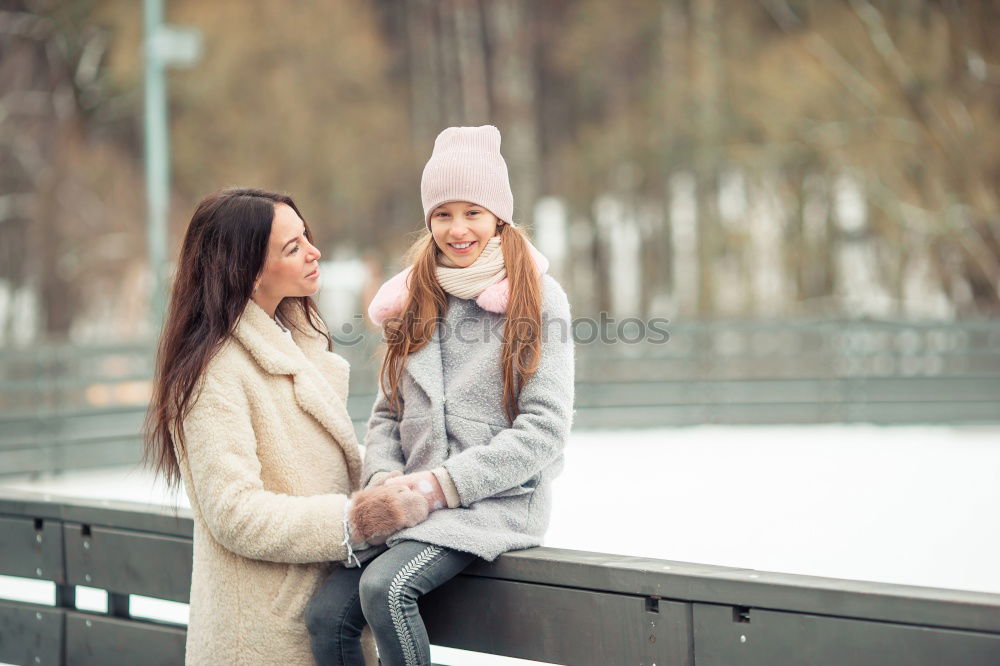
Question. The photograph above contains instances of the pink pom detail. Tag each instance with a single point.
(390, 298)
(495, 297)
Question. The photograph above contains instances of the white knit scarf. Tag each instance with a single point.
(469, 282)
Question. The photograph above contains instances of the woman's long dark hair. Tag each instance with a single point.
(223, 254)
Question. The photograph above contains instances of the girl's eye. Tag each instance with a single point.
(473, 212)
(294, 250)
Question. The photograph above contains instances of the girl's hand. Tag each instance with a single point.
(378, 513)
(380, 478)
(425, 483)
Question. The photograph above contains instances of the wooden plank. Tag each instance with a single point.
(683, 415)
(31, 634)
(802, 413)
(31, 550)
(154, 518)
(97, 453)
(105, 425)
(63, 429)
(539, 622)
(671, 632)
(95, 640)
(684, 581)
(818, 367)
(128, 562)
(954, 389)
(134, 516)
(926, 412)
(125, 561)
(25, 461)
(15, 429)
(27, 504)
(785, 391)
(722, 637)
(48, 457)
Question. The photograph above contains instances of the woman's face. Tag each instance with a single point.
(292, 265)
(461, 230)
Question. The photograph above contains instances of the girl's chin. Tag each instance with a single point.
(462, 260)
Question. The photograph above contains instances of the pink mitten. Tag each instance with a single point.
(380, 478)
(377, 513)
(424, 483)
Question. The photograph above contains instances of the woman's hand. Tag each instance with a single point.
(377, 513)
(425, 483)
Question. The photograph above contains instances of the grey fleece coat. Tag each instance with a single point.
(453, 416)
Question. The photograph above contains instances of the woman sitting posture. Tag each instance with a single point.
(248, 409)
(474, 408)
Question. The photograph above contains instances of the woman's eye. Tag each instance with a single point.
(294, 250)
(473, 212)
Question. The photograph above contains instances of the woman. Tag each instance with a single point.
(248, 409)
(475, 404)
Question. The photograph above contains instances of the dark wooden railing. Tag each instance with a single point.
(551, 605)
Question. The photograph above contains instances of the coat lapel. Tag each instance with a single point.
(278, 354)
(426, 370)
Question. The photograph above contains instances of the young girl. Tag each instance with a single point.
(475, 403)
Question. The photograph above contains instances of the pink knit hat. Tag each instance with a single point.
(466, 165)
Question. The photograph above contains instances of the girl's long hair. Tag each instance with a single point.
(222, 255)
(426, 304)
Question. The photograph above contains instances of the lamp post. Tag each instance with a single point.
(163, 46)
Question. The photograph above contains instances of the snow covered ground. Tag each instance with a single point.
(912, 505)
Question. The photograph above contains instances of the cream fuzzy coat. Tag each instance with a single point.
(271, 455)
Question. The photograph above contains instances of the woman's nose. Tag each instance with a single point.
(315, 253)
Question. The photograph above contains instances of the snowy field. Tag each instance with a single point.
(910, 505)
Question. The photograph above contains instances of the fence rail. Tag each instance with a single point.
(558, 606)
(64, 407)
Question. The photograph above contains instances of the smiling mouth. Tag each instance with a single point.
(313, 273)
(461, 246)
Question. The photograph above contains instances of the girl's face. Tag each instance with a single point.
(292, 265)
(461, 230)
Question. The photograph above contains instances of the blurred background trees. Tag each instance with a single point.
(679, 158)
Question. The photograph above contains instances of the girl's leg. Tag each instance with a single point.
(334, 619)
(390, 587)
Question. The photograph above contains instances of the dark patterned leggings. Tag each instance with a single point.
(382, 593)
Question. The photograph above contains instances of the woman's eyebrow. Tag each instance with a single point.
(291, 240)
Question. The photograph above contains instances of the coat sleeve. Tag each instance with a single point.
(383, 452)
(225, 480)
(537, 436)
